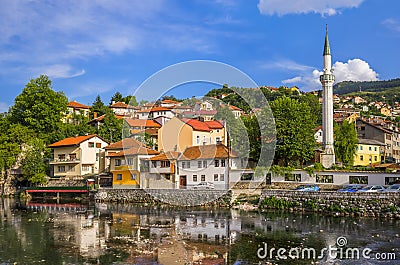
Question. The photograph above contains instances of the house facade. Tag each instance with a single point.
(75, 157)
(368, 152)
(75, 109)
(178, 134)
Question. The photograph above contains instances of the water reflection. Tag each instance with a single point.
(72, 233)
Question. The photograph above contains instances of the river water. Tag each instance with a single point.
(73, 233)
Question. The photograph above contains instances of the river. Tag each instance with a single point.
(74, 233)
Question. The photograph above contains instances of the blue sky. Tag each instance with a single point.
(100, 47)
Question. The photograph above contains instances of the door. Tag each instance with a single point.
(182, 182)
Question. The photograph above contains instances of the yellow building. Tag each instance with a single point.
(368, 152)
(75, 109)
(125, 166)
(178, 134)
(385, 111)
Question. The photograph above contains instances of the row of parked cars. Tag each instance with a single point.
(354, 188)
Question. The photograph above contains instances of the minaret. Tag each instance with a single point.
(327, 79)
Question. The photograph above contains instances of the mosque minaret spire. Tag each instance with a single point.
(327, 79)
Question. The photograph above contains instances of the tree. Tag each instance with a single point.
(111, 129)
(345, 142)
(294, 131)
(98, 107)
(116, 98)
(34, 167)
(39, 107)
(130, 100)
(254, 134)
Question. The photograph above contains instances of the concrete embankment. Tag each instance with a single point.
(382, 204)
(166, 196)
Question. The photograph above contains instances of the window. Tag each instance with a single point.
(85, 168)
(361, 148)
(90, 144)
(358, 179)
(205, 163)
(221, 177)
(98, 145)
(215, 177)
(183, 164)
(204, 139)
(72, 156)
(362, 158)
(71, 168)
(97, 157)
(216, 163)
(165, 164)
(375, 158)
(218, 131)
(119, 176)
(194, 178)
(130, 161)
(133, 176)
(203, 177)
(375, 148)
(61, 168)
(198, 139)
(218, 140)
(292, 177)
(117, 162)
(222, 162)
(199, 163)
(324, 178)
(61, 157)
(153, 163)
(188, 164)
(369, 148)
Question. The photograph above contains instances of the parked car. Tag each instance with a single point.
(351, 188)
(204, 186)
(372, 188)
(307, 187)
(393, 188)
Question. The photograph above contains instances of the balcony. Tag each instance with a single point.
(64, 161)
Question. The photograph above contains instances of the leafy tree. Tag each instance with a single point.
(254, 134)
(34, 167)
(294, 131)
(345, 142)
(315, 107)
(130, 100)
(39, 107)
(69, 130)
(143, 102)
(111, 130)
(117, 97)
(98, 107)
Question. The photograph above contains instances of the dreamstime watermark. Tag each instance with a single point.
(331, 252)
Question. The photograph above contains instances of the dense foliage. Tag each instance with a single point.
(345, 142)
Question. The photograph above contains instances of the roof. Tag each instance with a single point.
(169, 101)
(142, 123)
(134, 151)
(214, 124)
(200, 112)
(77, 105)
(197, 125)
(205, 152)
(166, 156)
(121, 105)
(159, 109)
(73, 140)
(125, 143)
(231, 107)
(317, 128)
(370, 142)
(101, 118)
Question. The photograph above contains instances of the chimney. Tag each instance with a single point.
(94, 115)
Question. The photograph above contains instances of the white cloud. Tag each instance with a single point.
(352, 70)
(323, 7)
(392, 24)
(286, 65)
(58, 71)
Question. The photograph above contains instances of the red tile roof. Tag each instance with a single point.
(159, 109)
(231, 107)
(72, 141)
(125, 143)
(121, 105)
(142, 123)
(169, 101)
(205, 152)
(166, 156)
(197, 125)
(77, 105)
(134, 151)
(214, 124)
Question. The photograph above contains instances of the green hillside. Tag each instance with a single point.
(348, 87)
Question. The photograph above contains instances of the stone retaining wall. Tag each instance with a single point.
(381, 204)
(166, 196)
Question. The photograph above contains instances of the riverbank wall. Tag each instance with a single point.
(221, 198)
(382, 204)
